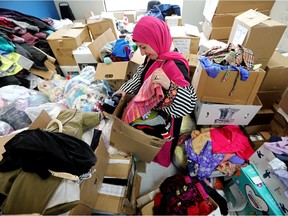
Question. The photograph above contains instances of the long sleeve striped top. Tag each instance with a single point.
(181, 105)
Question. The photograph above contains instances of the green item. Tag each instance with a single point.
(74, 122)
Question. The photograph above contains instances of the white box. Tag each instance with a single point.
(225, 114)
(84, 57)
(70, 70)
(260, 161)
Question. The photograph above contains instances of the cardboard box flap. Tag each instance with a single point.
(40, 122)
(118, 167)
(137, 57)
(272, 23)
(100, 42)
(252, 17)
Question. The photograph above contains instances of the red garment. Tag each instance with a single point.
(230, 139)
(149, 95)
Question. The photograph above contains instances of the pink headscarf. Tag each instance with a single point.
(155, 32)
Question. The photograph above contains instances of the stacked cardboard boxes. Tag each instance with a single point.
(220, 15)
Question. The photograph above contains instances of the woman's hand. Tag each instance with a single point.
(120, 92)
(159, 76)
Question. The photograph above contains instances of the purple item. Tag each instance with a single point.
(236, 160)
(207, 160)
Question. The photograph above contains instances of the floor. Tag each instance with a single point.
(153, 175)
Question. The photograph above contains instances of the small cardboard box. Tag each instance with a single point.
(113, 188)
(255, 191)
(213, 90)
(98, 27)
(260, 161)
(173, 20)
(276, 77)
(64, 41)
(83, 56)
(252, 30)
(116, 73)
(131, 140)
(183, 42)
(226, 114)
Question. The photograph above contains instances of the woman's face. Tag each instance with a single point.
(147, 50)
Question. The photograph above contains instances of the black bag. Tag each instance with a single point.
(66, 11)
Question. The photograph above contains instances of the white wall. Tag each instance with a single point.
(80, 8)
(279, 12)
(192, 12)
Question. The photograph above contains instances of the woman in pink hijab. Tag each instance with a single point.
(169, 71)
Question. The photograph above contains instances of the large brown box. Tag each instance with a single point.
(213, 90)
(258, 32)
(64, 41)
(276, 78)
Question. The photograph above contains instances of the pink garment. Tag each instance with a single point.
(230, 139)
(155, 32)
(149, 95)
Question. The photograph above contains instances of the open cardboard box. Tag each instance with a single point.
(131, 140)
(213, 90)
(99, 195)
(116, 73)
(277, 127)
(64, 41)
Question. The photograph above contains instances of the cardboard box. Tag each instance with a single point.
(98, 27)
(268, 98)
(113, 188)
(252, 30)
(40, 122)
(262, 117)
(116, 73)
(193, 62)
(225, 114)
(217, 33)
(183, 42)
(213, 90)
(173, 20)
(84, 57)
(234, 6)
(131, 140)
(64, 41)
(276, 77)
(255, 191)
(260, 161)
